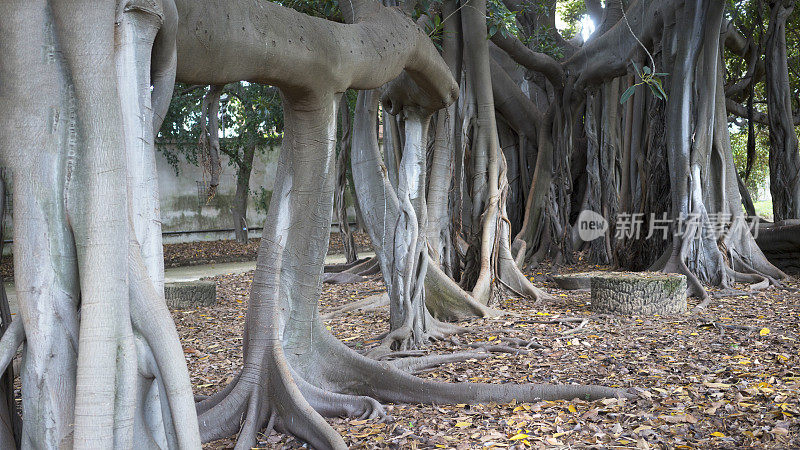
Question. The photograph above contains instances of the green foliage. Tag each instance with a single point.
(648, 78)
(760, 172)
(180, 131)
(745, 17)
(500, 20)
(249, 113)
(261, 198)
(571, 12)
(542, 41)
(327, 9)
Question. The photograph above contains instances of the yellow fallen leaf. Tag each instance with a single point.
(744, 361)
(764, 331)
(717, 434)
(463, 424)
(572, 409)
(518, 436)
(491, 338)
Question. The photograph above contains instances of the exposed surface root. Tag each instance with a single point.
(372, 302)
(342, 278)
(419, 364)
(401, 338)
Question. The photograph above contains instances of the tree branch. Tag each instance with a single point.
(759, 117)
(529, 59)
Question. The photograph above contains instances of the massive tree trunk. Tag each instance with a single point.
(784, 156)
(102, 364)
(490, 268)
(702, 175)
(395, 220)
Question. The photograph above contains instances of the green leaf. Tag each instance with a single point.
(635, 67)
(646, 69)
(660, 87)
(654, 90)
(660, 74)
(627, 94)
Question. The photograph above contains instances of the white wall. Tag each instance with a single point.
(183, 208)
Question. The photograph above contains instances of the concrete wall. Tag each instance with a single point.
(184, 207)
(185, 214)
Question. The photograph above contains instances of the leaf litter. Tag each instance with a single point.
(727, 377)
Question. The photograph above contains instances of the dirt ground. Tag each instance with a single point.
(728, 377)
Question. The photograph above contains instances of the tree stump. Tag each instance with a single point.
(191, 294)
(638, 293)
(575, 281)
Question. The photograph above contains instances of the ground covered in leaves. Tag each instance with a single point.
(728, 377)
